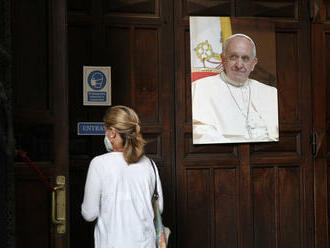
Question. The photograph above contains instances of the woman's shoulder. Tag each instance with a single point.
(101, 157)
(117, 159)
(106, 158)
(145, 161)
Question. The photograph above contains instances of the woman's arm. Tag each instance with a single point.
(91, 203)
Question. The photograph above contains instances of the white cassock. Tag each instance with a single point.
(225, 113)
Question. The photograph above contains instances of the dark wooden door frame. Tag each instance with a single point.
(319, 83)
(59, 77)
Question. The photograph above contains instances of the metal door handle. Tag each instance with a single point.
(58, 205)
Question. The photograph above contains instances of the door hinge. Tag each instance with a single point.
(314, 143)
(318, 142)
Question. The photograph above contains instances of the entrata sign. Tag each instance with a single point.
(90, 128)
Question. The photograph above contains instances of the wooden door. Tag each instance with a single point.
(321, 122)
(135, 38)
(249, 195)
(40, 117)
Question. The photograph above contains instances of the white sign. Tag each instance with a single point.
(97, 85)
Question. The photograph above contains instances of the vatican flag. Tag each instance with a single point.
(207, 36)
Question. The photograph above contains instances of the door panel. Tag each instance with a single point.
(266, 8)
(263, 187)
(135, 39)
(32, 210)
(198, 208)
(40, 116)
(320, 67)
(225, 201)
(269, 185)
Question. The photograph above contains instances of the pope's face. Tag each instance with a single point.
(238, 60)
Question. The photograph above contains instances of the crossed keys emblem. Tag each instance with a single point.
(204, 52)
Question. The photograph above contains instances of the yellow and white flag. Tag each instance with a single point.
(207, 36)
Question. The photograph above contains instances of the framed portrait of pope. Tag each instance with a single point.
(233, 80)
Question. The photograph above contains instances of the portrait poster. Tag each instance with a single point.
(234, 95)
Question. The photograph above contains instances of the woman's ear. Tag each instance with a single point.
(112, 132)
(105, 128)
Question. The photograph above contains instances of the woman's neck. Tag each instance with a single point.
(120, 149)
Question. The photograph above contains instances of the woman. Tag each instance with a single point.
(120, 185)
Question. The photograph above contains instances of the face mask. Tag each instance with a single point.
(108, 144)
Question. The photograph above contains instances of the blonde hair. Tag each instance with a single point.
(126, 122)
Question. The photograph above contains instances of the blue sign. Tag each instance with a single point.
(90, 128)
(97, 80)
(97, 85)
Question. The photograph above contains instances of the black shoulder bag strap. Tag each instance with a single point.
(155, 196)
